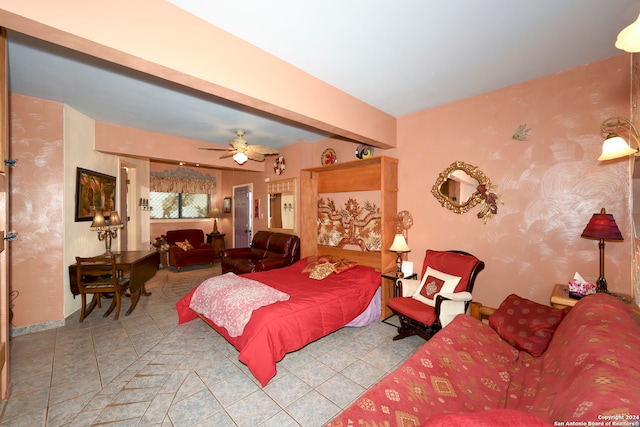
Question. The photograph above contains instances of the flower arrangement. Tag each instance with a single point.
(160, 243)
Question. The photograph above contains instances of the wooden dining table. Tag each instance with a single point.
(139, 266)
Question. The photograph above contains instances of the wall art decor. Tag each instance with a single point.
(94, 192)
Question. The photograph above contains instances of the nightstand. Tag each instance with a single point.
(560, 299)
(388, 290)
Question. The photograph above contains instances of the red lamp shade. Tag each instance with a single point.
(602, 226)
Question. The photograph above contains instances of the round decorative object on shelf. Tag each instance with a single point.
(279, 165)
(329, 157)
(364, 151)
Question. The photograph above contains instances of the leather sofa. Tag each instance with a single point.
(268, 250)
(202, 253)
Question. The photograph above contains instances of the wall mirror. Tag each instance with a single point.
(282, 205)
(457, 187)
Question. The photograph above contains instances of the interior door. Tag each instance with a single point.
(4, 222)
(242, 216)
(124, 213)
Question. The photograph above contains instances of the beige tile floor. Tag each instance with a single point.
(146, 370)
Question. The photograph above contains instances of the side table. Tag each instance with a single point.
(560, 299)
(217, 240)
(388, 290)
(164, 258)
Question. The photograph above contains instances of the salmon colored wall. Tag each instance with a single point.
(551, 184)
(36, 207)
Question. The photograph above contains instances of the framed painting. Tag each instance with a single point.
(226, 205)
(94, 192)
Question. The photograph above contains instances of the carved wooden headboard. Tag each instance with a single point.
(376, 173)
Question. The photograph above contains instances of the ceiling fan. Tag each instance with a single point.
(240, 150)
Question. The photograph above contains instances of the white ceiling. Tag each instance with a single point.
(400, 56)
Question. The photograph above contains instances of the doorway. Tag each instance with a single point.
(242, 223)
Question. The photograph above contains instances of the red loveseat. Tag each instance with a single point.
(268, 250)
(202, 253)
(503, 374)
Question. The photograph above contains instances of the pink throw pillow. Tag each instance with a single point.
(526, 325)
(312, 261)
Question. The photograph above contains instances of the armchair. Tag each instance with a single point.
(199, 253)
(268, 250)
(424, 307)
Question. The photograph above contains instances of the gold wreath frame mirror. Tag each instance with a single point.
(457, 187)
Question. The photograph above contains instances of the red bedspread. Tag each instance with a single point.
(315, 308)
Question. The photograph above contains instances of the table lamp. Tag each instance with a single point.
(107, 229)
(399, 246)
(215, 213)
(603, 227)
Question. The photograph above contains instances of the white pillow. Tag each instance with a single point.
(433, 283)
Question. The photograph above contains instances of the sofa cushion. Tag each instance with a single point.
(433, 283)
(525, 324)
(590, 368)
(490, 418)
(185, 246)
(462, 369)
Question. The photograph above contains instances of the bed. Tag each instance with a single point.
(314, 309)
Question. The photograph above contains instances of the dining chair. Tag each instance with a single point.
(99, 276)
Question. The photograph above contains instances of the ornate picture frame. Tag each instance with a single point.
(226, 205)
(95, 191)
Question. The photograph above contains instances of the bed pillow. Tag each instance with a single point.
(312, 261)
(185, 246)
(433, 283)
(343, 265)
(526, 325)
(321, 271)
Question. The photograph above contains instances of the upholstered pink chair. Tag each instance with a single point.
(426, 306)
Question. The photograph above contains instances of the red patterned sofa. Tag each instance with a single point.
(516, 370)
(200, 252)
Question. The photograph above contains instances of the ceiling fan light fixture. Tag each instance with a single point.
(629, 38)
(240, 158)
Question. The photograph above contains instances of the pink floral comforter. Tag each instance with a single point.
(229, 300)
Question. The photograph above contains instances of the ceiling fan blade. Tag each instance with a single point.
(262, 149)
(255, 156)
(215, 149)
(228, 154)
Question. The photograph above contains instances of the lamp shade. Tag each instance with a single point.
(98, 223)
(602, 226)
(215, 213)
(399, 244)
(115, 221)
(629, 38)
(615, 147)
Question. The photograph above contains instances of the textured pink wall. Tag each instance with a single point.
(36, 209)
(550, 184)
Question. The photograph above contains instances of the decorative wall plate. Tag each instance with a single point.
(364, 151)
(328, 157)
(279, 165)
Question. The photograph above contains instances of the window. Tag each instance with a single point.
(178, 205)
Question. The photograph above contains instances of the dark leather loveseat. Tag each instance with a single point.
(202, 253)
(268, 250)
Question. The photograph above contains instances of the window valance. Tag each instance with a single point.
(182, 180)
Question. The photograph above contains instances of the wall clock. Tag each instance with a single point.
(328, 157)
(279, 165)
